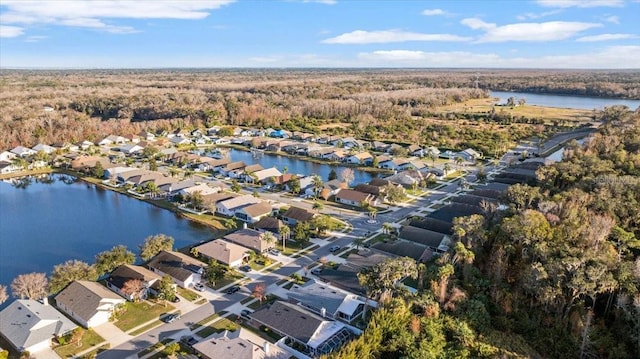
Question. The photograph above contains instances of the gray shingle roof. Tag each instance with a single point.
(175, 264)
(289, 319)
(84, 297)
(127, 272)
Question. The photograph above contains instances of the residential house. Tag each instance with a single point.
(320, 152)
(228, 207)
(7, 156)
(335, 141)
(66, 146)
(379, 146)
(8, 167)
(88, 303)
(128, 272)
(415, 150)
(346, 275)
(84, 163)
(394, 148)
(179, 140)
(451, 211)
(432, 151)
(147, 136)
(331, 188)
(203, 188)
(436, 241)
(253, 212)
(363, 158)
(41, 147)
(226, 169)
(433, 224)
(382, 158)
(212, 131)
(393, 164)
(355, 198)
(350, 142)
(184, 270)
(210, 200)
(402, 248)
(412, 164)
(312, 333)
(213, 164)
(294, 215)
(469, 155)
(279, 134)
(408, 178)
(251, 239)
(328, 301)
(337, 156)
(238, 344)
(266, 174)
(269, 224)
(23, 151)
(367, 188)
(112, 140)
(85, 145)
(132, 138)
(224, 252)
(246, 174)
(29, 325)
(131, 148)
(282, 180)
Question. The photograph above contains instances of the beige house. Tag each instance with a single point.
(89, 303)
(251, 239)
(222, 251)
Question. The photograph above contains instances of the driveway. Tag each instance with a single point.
(112, 334)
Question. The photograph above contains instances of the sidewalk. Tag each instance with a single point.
(112, 334)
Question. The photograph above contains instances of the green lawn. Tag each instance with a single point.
(218, 327)
(229, 277)
(255, 305)
(207, 320)
(135, 314)
(146, 328)
(188, 294)
(89, 340)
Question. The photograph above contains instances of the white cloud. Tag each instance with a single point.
(543, 31)
(606, 37)
(612, 19)
(387, 36)
(10, 31)
(265, 59)
(534, 16)
(90, 14)
(35, 38)
(433, 12)
(618, 57)
(325, 2)
(580, 3)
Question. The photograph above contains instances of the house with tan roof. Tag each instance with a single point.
(293, 215)
(88, 303)
(354, 198)
(228, 207)
(251, 239)
(30, 325)
(363, 158)
(224, 252)
(253, 212)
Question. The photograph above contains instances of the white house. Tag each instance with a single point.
(8, 167)
(184, 270)
(253, 212)
(44, 148)
(7, 156)
(23, 151)
(88, 303)
(328, 301)
(229, 207)
(131, 148)
(29, 325)
(112, 139)
(203, 188)
(364, 158)
(263, 175)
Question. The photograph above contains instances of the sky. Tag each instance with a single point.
(320, 33)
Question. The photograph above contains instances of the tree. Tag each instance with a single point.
(76, 336)
(230, 223)
(171, 349)
(387, 227)
(67, 272)
(317, 184)
(317, 206)
(214, 272)
(3, 294)
(294, 185)
(259, 291)
(133, 288)
(433, 155)
(153, 245)
(332, 174)
(109, 260)
(98, 170)
(323, 223)
(196, 200)
(380, 280)
(269, 237)
(284, 232)
(30, 286)
(347, 175)
(235, 186)
(166, 288)
(447, 168)
(511, 101)
(482, 175)
(458, 161)
(301, 231)
(394, 194)
(358, 241)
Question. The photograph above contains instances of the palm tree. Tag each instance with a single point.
(372, 212)
(269, 237)
(284, 232)
(317, 184)
(433, 155)
(447, 168)
(458, 160)
(317, 206)
(230, 223)
(387, 228)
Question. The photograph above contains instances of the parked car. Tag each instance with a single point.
(171, 318)
(245, 268)
(175, 299)
(334, 248)
(316, 271)
(199, 287)
(245, 313)
(233, 289)
(274, 251)
(188, 339)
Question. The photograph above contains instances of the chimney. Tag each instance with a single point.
(244, 225)
(323, 312)
(45, 300)
(265, 347)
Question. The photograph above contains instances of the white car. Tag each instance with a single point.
(199, 287)
(334, 248)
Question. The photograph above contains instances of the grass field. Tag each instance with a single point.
(136, 314)
(89, 339)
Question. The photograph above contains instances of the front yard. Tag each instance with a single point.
(89, 339)
(229, 277)
(188, 294)
(218, 326)
(137, 313)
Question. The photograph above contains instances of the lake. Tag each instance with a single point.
(59, 218)
(561, 101)
(297, 166)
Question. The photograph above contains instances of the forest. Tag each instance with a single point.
(395, 105)
(556, 274)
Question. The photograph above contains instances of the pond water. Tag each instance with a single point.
(44, 222)
(297, 166)
(561, 101)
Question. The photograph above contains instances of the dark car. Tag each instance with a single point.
(233, 289)
(188, 339)
(246, 313)
(245, 268)
(316, 271)
(334, 248)
(171, 318)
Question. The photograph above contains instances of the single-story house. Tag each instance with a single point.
(228, 207)
(263, 175)
(84, 163)
(30, 325)
(269, 224)
(253, 212)
(230, 167)
(179, 140)
(8, 167)
(44, 148)
(364, 158)
(184, 270)
(354, 198)
(379, 146)
(315, 334)
(7, 156)
(147, 136)
(112, 139)
(84, 145)
(23, 151)
(293, 215)
(367, 188)
(469, 155)
(328, 301)
(127, 272)
(224, 252)
(415, 150)
(393, 164)
(131, 148)
(203, 188)
(237, 345)
(88, 303)
(251, 239)
(436, 241)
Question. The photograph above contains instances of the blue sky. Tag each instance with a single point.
(320, 33)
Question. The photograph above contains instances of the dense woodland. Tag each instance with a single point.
(556, 275)
(395, 105)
